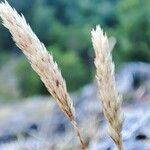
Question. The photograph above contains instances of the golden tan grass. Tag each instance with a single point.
(41, 61)
(110, 98)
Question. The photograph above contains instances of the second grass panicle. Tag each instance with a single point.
(110, 98)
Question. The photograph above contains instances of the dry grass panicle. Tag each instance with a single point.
(41, 61)
(43, 64)
(110, 98)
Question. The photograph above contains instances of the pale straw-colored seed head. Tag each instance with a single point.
(110, 98)
(40, 60)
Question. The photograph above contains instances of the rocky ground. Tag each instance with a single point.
(37, 123)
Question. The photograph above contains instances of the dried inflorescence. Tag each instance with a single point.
(41, 61)
(110, 98)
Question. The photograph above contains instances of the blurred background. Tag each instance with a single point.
(64, 27)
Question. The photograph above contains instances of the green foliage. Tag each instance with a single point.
(29, 82)
(42, 21)
(3, 58)
(133, 30)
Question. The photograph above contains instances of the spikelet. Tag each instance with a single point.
(41, 61)
(110, 98)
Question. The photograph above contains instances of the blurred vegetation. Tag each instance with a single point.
(29, 82)
(64, 26)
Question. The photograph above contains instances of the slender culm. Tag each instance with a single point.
(41, 61)
(110, 98)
